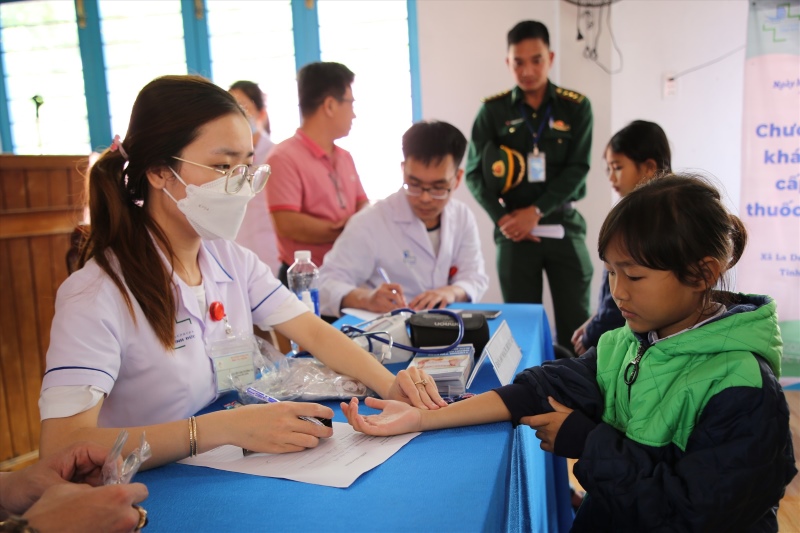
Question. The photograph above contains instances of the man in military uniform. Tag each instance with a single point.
(544, 133)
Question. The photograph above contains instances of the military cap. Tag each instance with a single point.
(503, 168)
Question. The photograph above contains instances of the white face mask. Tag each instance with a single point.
(253, 125)
(213, 213)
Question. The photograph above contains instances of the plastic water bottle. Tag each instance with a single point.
(303, 277)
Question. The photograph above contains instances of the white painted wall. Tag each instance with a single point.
(462, 51)
(584, 76)
(703, 120)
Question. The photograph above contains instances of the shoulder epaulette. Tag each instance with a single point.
(572, 96)
(497, 96)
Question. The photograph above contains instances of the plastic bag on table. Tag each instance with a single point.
(301, 379)
(119, 472)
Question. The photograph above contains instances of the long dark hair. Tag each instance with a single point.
(671, 223)
(642, 140)
(166, 117)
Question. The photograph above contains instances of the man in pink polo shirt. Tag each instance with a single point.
(314, 188)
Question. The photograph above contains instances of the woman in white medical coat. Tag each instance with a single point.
(162, 281)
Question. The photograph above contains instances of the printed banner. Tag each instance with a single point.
(770, 197)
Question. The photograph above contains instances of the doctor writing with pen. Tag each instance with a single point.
(418, 248)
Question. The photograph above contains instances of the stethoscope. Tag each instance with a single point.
(381, 336)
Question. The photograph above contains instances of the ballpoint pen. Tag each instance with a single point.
(266, 398)
(385, 277)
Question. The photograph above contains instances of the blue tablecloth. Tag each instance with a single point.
(481, 478)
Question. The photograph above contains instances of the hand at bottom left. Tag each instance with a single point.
(72, 507)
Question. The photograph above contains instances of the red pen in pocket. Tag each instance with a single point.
(452, 273)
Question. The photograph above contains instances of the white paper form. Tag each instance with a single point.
(549, 231)
(336, 462)
(362, 314)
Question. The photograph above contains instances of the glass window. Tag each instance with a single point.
(371, 38)
(254, 41)
(141, 41)
(46, 100)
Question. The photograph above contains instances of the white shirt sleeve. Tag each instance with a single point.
(348, 265)
(68, 400)
(288, 309)
(471, 275)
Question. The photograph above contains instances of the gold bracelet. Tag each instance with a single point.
(192, 438)
(194, 435)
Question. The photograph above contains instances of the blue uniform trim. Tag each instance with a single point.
(6, 137)
(253, 310)
(94, 77)
(79, 368)
(218, 263)
(195, 38)
(413, 61)
(306, 33)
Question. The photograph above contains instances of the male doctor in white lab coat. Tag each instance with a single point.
(419, 247)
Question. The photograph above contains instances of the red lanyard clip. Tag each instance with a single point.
(217, 312)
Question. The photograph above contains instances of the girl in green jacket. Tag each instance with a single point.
(677, 419)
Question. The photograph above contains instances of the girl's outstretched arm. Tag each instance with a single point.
(396, 418)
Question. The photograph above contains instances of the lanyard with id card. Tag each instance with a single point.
(232, 357)
(536, 159)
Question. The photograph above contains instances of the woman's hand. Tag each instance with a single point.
(547, 425)
(276, 428)
(396, 418)
(415, 387)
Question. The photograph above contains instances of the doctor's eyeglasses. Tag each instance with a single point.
(236, 177)
(437, 193)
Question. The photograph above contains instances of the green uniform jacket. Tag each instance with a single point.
(566, 141)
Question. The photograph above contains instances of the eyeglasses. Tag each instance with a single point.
(236, 177)
(335, 179)
(437, 193)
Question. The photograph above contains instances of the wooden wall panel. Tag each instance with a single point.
(11, 364)
(41, 202)
(13, 190)
(43, 277)
(5, 423)
(27, 330)
(37, 187)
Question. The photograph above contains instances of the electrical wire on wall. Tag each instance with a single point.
(589, 26)
(706, 64)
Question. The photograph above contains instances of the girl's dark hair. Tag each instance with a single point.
(642, 140)
(671, 223)
(166, 117)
